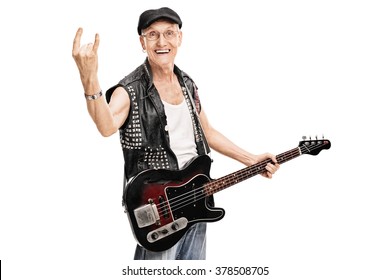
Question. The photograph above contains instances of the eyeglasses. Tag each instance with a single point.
(155, 35)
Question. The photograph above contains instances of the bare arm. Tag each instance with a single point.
(107, 117)
(223, 145)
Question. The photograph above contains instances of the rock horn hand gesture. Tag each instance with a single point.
(86, 58)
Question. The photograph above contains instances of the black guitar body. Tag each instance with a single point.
(163, 204)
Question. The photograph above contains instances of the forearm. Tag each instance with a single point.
(223, 145)
(99, 110)
(220, 143)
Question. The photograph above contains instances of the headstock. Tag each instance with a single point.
(313, 146)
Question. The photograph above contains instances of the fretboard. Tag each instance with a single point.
(247, 172)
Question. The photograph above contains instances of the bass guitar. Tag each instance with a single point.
(162, 204)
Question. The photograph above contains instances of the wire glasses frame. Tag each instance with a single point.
(155, 35)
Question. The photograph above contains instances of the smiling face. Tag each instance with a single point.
(161, 41)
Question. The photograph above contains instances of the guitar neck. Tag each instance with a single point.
(248, 172)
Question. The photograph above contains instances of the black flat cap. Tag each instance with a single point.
(150, 16)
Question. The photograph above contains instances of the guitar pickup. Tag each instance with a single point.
(147, 215)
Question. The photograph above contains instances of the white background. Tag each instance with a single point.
(268, 73)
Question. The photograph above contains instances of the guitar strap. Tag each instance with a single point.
(205, 143)
(124, 186)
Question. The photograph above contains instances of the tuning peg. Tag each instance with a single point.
(304, 137)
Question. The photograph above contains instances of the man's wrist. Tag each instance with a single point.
(93, 96)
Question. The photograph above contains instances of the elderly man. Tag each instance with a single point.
(157, 110)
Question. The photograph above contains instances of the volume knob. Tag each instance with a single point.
(175, 226)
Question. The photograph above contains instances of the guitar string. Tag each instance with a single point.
(202, 192)
(219, 184)
(206, 189)
(222, 183)
(214, 186)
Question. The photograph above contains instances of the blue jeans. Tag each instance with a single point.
(192, 246)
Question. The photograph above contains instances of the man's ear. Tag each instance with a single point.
(142, 41)
(180, 37)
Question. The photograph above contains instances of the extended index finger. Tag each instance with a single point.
(76, 41)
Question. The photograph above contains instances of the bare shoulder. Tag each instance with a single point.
(120, 97)
(120, 91)
(120, 105)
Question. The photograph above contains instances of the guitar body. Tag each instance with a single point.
(163, 204)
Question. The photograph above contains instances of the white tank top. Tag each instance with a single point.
(181, 132)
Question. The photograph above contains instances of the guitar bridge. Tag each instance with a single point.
(147, 215)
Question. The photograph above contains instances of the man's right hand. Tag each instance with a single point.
(86, 58)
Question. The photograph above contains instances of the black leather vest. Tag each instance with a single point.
(144, 135)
